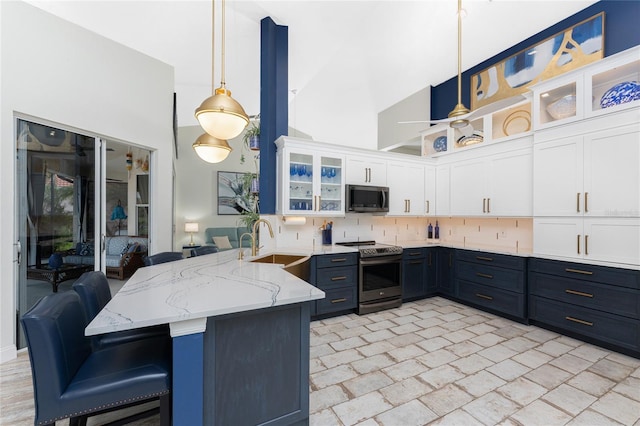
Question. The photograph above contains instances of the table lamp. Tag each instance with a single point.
(191, 227)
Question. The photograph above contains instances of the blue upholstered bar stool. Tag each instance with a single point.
(93, 289)
(199, 251)
(163, 257)
(73, 380)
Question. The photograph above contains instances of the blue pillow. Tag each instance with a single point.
(55, 261)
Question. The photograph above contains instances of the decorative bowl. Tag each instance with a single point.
(621, 93)
(472, 139)
(440, 144)
(563, 107)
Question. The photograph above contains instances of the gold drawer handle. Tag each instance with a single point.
(578, 202)
(340, 278)
(415, 253)
(342, 299)
(479, 274)
(586, 202)
(578, 271)
(482, 296)
(416, 262)
(488, 259)
(578, 293)
(579, 321)
(340, 259)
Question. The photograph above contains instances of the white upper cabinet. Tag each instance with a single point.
(498, 184)
(364, 170)
(406, 193)
(430, 190)
(311, 181)
(594, 174)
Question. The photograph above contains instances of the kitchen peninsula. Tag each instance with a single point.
(240, 335)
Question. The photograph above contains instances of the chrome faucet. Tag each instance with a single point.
(254, 237)
(241, 252)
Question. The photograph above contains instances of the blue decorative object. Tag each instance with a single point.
(55, 261)
(621, 93)
(440, 144)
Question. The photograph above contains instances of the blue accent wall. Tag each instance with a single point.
(622, 18)
(274, 107)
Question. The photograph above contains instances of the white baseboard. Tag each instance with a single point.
(8, 353)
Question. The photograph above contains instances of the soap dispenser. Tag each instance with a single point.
(430, 231)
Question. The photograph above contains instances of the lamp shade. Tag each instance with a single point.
(211, 149)
(221, 116)
(118, 212)
(191, 227)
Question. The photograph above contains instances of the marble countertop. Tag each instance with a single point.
(200, 287)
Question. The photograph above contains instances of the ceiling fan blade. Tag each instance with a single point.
(483, 110)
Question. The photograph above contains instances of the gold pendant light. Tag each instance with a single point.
(211, 149)
(220, 115)
(460, 109)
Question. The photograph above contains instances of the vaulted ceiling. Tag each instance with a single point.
(348, 60)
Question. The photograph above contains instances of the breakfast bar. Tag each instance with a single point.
(240, 333)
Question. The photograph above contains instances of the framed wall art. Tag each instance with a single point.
(234, 193)
(578, 45)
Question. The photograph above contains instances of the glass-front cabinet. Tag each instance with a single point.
(311, 182)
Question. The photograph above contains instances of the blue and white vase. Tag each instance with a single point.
(621, 93)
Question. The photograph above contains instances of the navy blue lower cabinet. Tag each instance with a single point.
(596, 303)
(337, 276)
(414, 274)
(444, 274)
(256, 367)
(495, 282)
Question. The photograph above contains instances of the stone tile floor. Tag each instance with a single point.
(436, 362)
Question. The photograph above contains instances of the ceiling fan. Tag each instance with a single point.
(460, 117)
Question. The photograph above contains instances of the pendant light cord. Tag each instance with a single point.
(213, 46)
(222, 78)
(459, 50)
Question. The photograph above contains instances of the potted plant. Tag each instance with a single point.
(250, 140)
(248, 200)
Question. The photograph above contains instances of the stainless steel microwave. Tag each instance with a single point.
(367, 199)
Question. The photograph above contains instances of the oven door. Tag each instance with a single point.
(380, 278)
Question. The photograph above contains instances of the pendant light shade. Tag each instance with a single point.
(220, 115)
(211, 149)
(459, 110)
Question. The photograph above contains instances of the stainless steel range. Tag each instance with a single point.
(379, 276)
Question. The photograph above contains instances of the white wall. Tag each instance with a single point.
(197, 185)
(56, 71)
(414, 107)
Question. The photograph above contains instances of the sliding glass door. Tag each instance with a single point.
(59, 219)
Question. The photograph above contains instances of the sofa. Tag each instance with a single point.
(224, 234)
(124, 255)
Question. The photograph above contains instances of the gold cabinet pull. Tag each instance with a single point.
(427, 206)
(578, 243)
(484, 205)
(578, 293)
(579, 321)
(342, 299)
(586, 202)
(339, 259)
(483, 296)
(340, 278)
(578, 271)
(487, 259)
(586, 242)
(415, 262)
(488, 205)
(409, 204)
(414, 253)
(578, 202)
(319, 203)
(480, 274)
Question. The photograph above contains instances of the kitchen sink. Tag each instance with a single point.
(297, 265)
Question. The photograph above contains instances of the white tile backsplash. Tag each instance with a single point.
(503, 234)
